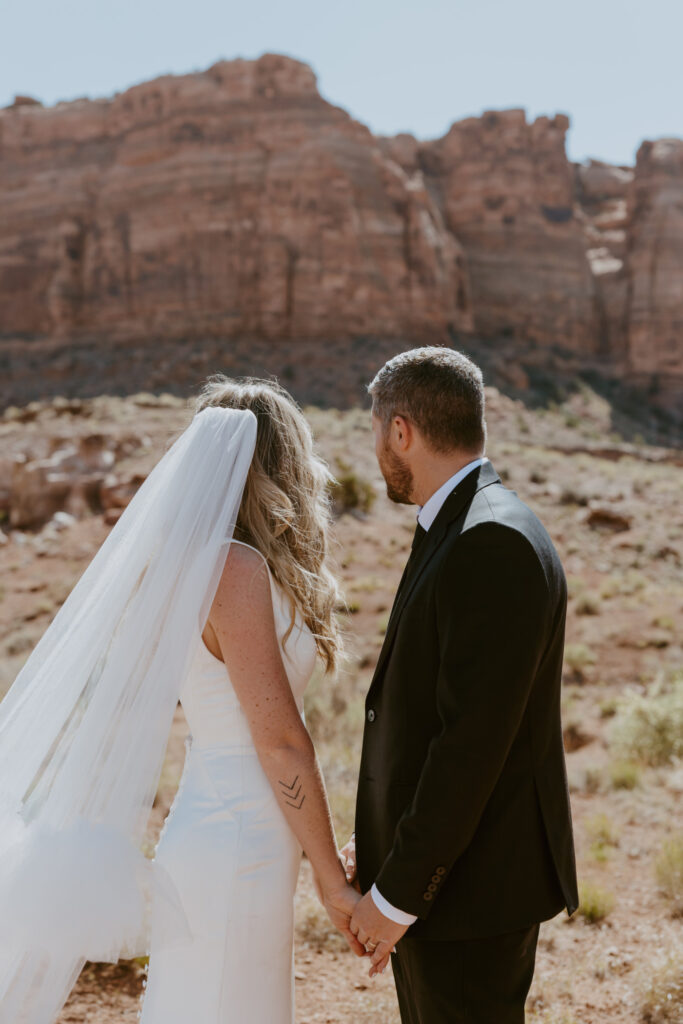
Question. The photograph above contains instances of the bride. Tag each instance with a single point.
(212, 588)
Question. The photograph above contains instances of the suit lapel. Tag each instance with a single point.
(455, 504)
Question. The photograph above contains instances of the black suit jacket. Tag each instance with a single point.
(462, 813)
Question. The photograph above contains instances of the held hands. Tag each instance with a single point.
(375, 933)
(367, 931)
(339, 904)
(372, 929)
(339, 899)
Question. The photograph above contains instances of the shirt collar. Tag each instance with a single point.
(431, 508)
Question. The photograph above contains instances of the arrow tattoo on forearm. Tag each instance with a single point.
(292, 797)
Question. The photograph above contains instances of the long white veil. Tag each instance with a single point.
(84, 727)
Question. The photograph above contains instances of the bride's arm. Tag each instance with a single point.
(242, 619)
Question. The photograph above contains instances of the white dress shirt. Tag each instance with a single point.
(425, 517)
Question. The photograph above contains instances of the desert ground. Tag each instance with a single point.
(615, 512)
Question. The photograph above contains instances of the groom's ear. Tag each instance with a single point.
(403, 433)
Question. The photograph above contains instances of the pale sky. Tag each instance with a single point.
(613, 65)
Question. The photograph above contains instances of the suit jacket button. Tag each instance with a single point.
(427, 896)
(437, 878)
(371, 715)
(440, 870)
(431, 887)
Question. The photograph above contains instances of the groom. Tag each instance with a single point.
(463, 840)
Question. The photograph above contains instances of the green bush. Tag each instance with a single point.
(349, 492)
(577, 657)
(649, 727)
(624, 774)
(587, 604)
(602, 834)
(314, 930)
(669, 872)
(595, 903)
(662, 992)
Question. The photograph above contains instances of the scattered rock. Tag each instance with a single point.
(575, 738)
(600, 517)
(116, 492)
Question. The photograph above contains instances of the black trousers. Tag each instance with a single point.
(475, 981)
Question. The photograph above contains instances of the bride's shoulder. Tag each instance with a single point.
(244, 586)
(244, 561)
(243, 555)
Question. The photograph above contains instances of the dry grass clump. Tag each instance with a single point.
(649, 727)
(314, 930)
(661, 1000)
(587, 604)
(595, 903)
(577, 658)
(603, 836)
(669, 872)
(351, 492)
(624, 774)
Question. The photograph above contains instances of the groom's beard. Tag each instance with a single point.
(398, 477)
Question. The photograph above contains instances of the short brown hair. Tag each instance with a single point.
(438, 389)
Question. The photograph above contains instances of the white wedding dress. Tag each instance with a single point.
(232, 855)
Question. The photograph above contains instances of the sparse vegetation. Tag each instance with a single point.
(595, 903)
(662, 990)
(314, 930)
(624, 774)
(609, 707)
(669, 872)
(649, 727)
(588, 604)
(351, 492)
(577, 658)
(603, 836)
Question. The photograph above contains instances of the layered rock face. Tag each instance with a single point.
(232, 202)
(655, 261)
(506, 190)
(602, 191)
(233, 216)
(633, 220)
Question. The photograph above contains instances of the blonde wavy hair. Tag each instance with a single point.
(285, 511)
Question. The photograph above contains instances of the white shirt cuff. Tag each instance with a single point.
(393, 913)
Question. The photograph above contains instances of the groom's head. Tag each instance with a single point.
(427, 413)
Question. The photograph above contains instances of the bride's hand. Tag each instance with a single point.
(339, 904)
(348, 858)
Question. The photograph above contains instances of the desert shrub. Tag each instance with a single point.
(669, 872)
(20, 642)
(585, 780)
(661, 1000)
(608, 707)
(587, 604)
(577, 658)
(572, 496)
(595, 903)
(351, 492)
(314, 930)
(649, 727)
(602, 834)
(624, 774)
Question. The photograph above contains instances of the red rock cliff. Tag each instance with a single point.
(234, 201)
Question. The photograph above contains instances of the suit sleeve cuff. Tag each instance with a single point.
(386, 908)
